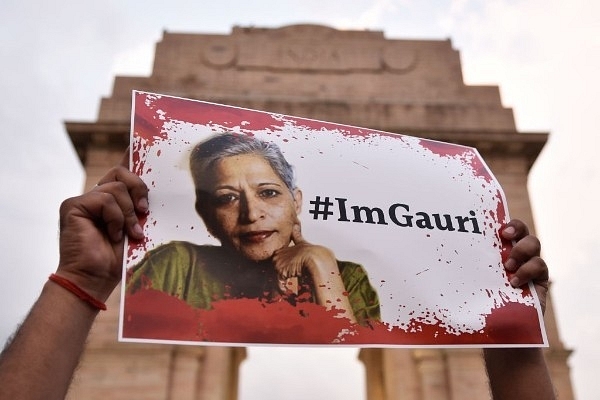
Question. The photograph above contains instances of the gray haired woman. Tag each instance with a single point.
(247, 197)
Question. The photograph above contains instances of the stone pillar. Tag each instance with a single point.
(402, 377)
(433, 374)
(218, 375)
(466, 374)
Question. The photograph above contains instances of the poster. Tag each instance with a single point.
(344, 236)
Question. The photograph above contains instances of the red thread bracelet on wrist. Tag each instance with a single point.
(77, 291)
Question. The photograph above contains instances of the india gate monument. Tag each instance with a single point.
(358, 78)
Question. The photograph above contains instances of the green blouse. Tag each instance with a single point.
(200, 275)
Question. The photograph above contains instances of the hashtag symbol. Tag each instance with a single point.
(318, 211)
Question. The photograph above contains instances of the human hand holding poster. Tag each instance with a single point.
(271, 229)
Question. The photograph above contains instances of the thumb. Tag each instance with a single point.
(297, 234)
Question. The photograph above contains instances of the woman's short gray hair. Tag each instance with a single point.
(207, 153)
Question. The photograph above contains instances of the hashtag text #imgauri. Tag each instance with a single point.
(398, 214)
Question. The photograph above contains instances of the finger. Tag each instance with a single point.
(113, 218)
(515, 230)
(291, 285)
(286, 265)
(135, 186)
(123, 199)
(535, 270)
(138, 189)
(294, 269)
(283, 266)
(290, 271)
(297, 234)
(102, 208)
(524, 250)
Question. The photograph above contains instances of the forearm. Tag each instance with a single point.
(40, 361)
(518, 374)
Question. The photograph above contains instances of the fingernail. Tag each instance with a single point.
(509, 231)
(137, 229)
(515, 282)
(510, 265)
(143, 204)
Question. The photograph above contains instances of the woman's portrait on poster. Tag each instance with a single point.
(247, 197)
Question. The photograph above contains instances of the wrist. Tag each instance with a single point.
(322, 263)
(518, 373)
(77, 291)
(514, 354)
(97, 287)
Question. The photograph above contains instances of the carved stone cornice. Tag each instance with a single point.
(488, 143)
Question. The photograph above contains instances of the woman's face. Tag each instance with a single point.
(251, 209)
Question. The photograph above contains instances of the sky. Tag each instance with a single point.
(59, 58)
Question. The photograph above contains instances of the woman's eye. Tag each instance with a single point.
(225, 199)
(268, 193)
